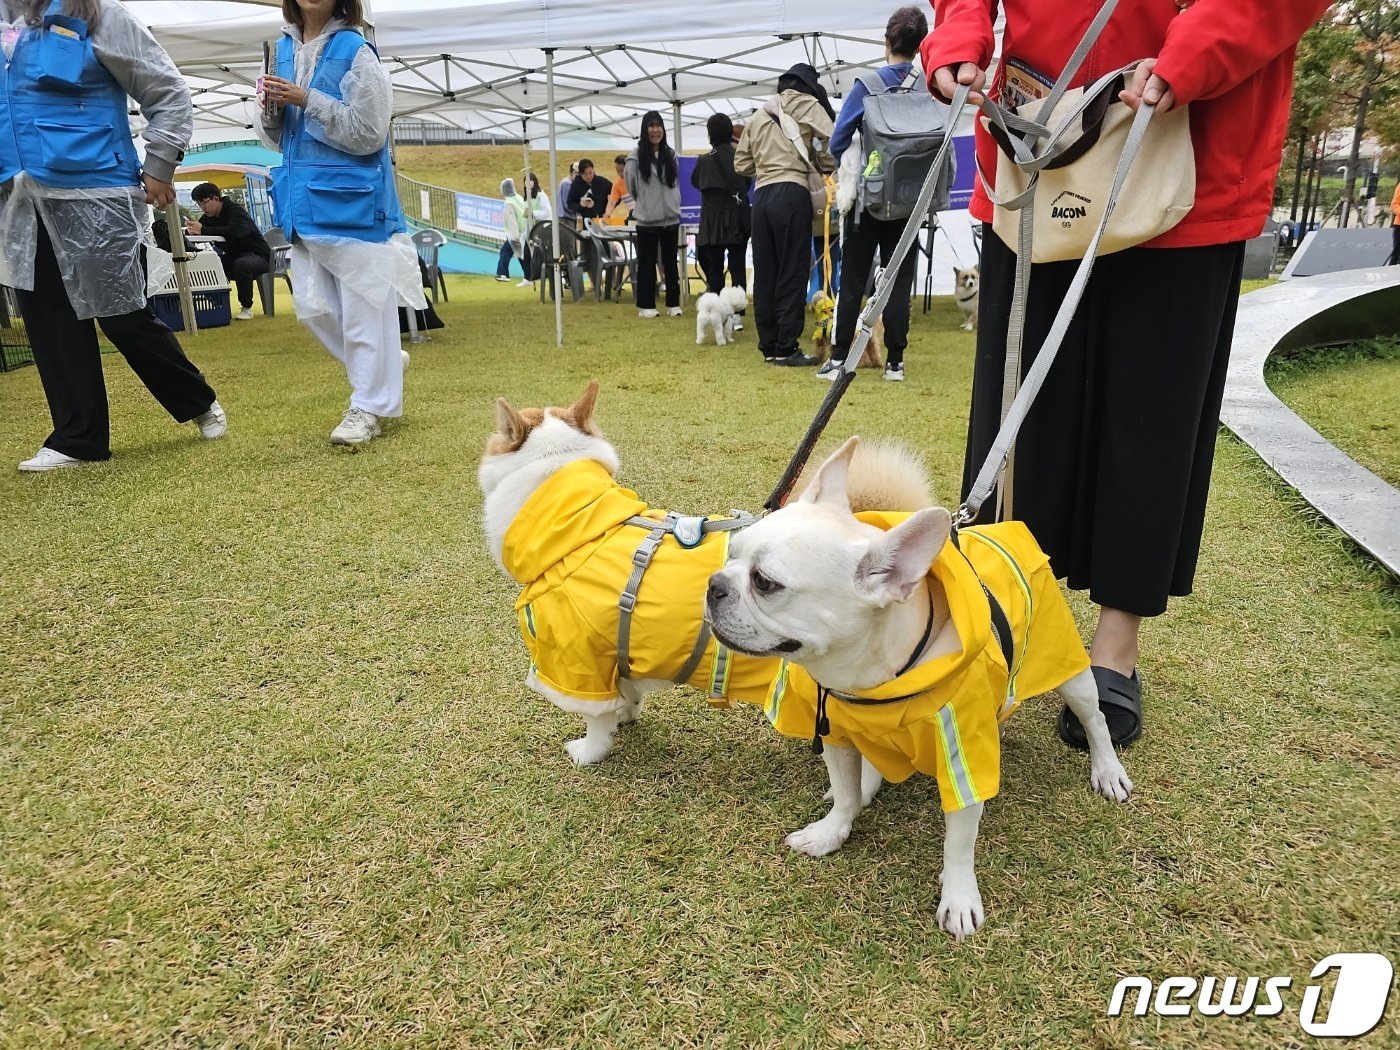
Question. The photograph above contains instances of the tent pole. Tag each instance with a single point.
(554, 185)
(525, 152)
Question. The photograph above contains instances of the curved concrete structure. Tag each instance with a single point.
(1310, 311)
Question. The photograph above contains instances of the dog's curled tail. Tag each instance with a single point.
(884, 475)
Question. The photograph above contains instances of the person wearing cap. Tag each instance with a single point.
(782, 207)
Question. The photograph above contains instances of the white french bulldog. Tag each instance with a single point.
(856, 607)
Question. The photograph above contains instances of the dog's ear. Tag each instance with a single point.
(956, 273)
(580, 413)
(895, 563)
(829, 484)
(510, 423)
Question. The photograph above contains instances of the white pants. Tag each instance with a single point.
(361, 335)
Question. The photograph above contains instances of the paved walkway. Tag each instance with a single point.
(1309, 311)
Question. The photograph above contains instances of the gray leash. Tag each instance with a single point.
(1035, 378)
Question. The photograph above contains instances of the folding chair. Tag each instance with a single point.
(279, 266)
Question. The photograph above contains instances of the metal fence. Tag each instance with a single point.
(14, 340)
(431, 133)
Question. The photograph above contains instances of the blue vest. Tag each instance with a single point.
(66, 113)
(319, 190)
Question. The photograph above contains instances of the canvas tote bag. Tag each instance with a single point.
(1056, 160)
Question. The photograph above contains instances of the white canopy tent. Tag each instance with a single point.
(539, 68)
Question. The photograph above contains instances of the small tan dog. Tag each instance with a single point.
(823, 308)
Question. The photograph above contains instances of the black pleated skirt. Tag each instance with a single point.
(1112, 466)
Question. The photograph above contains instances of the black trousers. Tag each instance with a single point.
(712, 264)
(1394, 257)
(782, 252)
(652, 240)
(244, 269)
(70, 365)
(857, 259)
(1112, 466)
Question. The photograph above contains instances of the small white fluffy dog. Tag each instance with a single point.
(719, 313)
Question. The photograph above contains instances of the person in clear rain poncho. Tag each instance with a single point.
(75, 215)
(328, 104)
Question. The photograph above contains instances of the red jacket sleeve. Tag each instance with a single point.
(962, 32)
(1215, 45)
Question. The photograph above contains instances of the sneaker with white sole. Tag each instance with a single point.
(895, 373)
(524, 282)
(673, 311)
(647, 313)
(212, 422)
(738, 322)
(356, 428)
(502, 278)
(48, 459)
(245, 314)
(829, 371)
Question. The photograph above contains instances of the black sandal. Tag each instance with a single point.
(1120, 700)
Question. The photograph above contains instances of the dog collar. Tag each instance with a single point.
(967, 298)
(823, 724)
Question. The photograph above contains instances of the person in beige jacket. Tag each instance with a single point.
(782, 208)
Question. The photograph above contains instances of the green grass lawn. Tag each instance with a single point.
(1351, 396)
(269, 776)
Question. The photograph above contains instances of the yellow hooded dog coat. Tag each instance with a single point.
(942, 718)
(572, 549)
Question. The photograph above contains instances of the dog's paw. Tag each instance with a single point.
(960, 909)
(960, 916)
(819, 838)
(1112, 782)
(585, 752)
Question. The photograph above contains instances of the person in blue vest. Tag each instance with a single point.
(327, 108)
(75, 215)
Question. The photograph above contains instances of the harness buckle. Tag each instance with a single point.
(689, 531)
(627, 601)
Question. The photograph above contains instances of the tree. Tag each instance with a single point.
(1317, 100)
(1367, 74)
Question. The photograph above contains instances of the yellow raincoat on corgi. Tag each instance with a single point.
(572, 549)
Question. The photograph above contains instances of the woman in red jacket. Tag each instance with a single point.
(1113, 462)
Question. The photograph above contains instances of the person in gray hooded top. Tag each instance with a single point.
(651, 174)
(75, 217)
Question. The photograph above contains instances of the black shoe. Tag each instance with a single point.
(797, 360)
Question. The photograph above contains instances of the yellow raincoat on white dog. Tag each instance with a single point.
(943, 717)
(572, 549)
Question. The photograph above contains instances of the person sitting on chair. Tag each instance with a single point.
(245, 252)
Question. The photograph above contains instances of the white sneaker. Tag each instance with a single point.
(647, 313)
(502, 277)
(245, 314)
(895, 373)
(212, 423)
(406, 358)
(673, 311)
(356, 428)
(524, 282)
(48, 459)
(738, 323)
(829, 371)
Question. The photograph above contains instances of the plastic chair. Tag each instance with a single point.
(427, 242)
(615, 262)
(279, 266)
(571, 250)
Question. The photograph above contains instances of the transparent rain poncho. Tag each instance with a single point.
(98, 233)
(357, 123)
